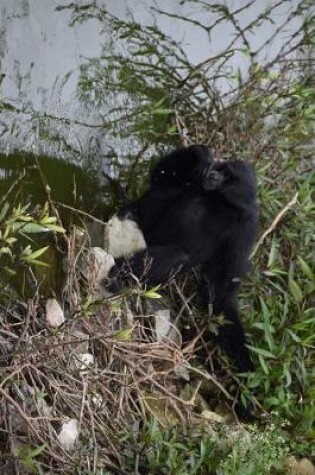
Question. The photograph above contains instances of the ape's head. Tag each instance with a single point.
(183, 167)
(232, 176)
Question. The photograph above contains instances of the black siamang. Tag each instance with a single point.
(197, 212)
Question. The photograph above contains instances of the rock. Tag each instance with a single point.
(100, 263)
(68, 434)
(165, 329)
(54, 313)
(299, 467)
(162, 324)
(83, 361)
(306, 467)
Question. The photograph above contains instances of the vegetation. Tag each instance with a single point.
(134, 414)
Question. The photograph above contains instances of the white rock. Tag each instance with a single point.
(101, 264)
(69, 433)
(165, 329)
(123, 237)
(162, 323)
(86, 358)
(54, 313)
(83, 361)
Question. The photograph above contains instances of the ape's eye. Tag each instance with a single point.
(215, 176)
(162, 172)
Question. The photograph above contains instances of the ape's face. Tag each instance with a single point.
(226, 175)
(231, 174)
(213, 180)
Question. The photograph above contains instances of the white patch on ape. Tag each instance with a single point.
(123, 237)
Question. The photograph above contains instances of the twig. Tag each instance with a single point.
(135, 163)
(210, 378)
(14, 184)
(79, 211)
(275, 223)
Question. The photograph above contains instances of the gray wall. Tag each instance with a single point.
(38, 48)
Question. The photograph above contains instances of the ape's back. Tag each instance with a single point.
(205, 223)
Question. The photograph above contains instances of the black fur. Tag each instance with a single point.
(211, 223)
(184, 169)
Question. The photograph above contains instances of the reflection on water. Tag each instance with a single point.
(24, 178)
(79, 195)
(69, 184)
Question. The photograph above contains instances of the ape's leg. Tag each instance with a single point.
(156, 265)
(231, 336)
(222, 292)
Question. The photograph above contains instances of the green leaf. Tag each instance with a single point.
(10, 240)
(36, 451)
(150, 294)
(36, 262)
(287, 375)
(25, 218)
(263, 364)
(262, 352)
(268, 328)
(293, 335)
(5, 250)
(35, 254)
(307, 271)
(33, 228)
(273, 254)
(48, 220)
(55, 228)
(4, 210)
(123, 335)
(16, 226)
(172, 130)
(295, 290)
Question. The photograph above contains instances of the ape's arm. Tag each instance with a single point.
(156, 265)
